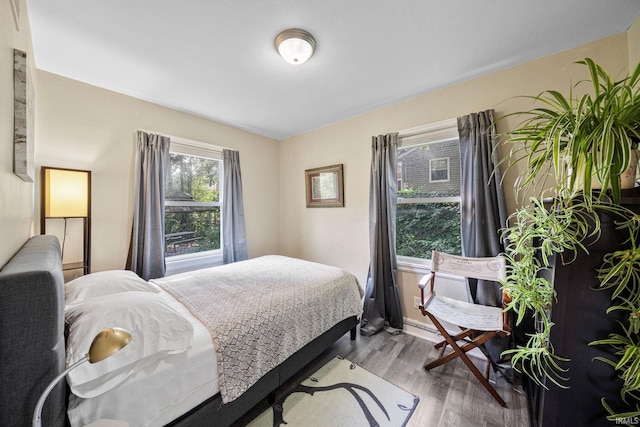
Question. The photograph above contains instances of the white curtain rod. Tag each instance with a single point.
(182, 140)
(431, 127)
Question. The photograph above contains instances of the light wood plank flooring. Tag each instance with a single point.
(449, 395)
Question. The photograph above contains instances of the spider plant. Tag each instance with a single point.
(627, 348)
(565, 145)
(620, 272)
(537, 233)
(577, 139)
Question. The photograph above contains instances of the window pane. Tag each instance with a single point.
(192, 212)
(193, 178)
(191, 229)
(441, 158)
(439, 175)
(428, 171)
(422, 227)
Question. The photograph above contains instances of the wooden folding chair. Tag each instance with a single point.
(478, 323)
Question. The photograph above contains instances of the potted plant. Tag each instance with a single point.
(562, 146)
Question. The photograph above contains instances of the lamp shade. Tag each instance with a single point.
(66, 193)
(108, 342)
(295, 45)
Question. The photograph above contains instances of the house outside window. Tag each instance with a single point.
(193, 203)
(428, 205)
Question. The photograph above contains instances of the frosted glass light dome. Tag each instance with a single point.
(295, 45)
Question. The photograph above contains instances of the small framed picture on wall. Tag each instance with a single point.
(325, 187)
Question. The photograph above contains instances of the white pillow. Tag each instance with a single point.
(156, 329)
(105, 283)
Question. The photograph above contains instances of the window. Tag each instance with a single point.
(428, 209)
(439, 170)
(193, 201)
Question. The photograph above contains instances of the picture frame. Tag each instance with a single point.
(325, 187)
(23, 118)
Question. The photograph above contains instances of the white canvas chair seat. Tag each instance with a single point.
(477, 323)
(472, 316)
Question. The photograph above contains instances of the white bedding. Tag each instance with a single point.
(192, 375)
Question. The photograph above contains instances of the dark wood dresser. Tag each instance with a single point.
(580, 318)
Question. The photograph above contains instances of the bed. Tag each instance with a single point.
(180, 352)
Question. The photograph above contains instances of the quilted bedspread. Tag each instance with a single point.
(261, 311)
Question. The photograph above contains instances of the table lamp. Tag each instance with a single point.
(105, 344)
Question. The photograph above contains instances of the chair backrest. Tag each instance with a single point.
(489, 268)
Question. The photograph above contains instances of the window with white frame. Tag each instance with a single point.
(428, 205)
(439, 170)
(193, 201)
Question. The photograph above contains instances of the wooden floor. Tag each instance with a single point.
(449, 395)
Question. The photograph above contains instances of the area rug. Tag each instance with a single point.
(341, 394)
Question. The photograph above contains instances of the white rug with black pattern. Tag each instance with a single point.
(341, 394)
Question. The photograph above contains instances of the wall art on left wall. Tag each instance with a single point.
(23, 117)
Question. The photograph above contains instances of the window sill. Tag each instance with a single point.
(414, 265)
(420, 266)
(182, 263)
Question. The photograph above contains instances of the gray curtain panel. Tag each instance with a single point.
(382, 303)
(146, 251)
(234, 236)
(483, 208)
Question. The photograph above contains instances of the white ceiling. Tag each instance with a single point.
(216, 58)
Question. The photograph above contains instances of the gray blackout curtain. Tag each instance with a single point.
(234, 236)
(381, 302)
(483, 209)
(146, 251)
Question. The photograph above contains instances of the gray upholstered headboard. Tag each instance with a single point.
(32, 349)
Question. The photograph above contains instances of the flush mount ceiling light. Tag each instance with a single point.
(295, 45)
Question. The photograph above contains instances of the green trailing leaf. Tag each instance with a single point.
(616, 417)
(538, 360)
(627, 348)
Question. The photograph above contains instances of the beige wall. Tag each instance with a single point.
(84, 127)
(339, 236)
(16, 196)
(634, 44)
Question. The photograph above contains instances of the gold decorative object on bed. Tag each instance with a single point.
(107, 343)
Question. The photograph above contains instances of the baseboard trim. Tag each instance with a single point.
(421, 330)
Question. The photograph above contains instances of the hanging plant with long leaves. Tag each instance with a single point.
(537, 234)
(566, 145)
